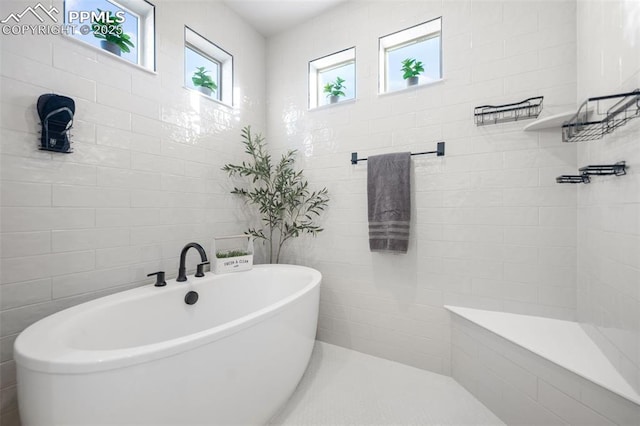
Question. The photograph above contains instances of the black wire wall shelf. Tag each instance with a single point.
(439, 152)
(493, 114)
(582, 127)
(617, 169)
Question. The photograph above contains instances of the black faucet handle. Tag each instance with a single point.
(200, 269)
(160, 282)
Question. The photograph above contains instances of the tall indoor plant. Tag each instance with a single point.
(286, 205)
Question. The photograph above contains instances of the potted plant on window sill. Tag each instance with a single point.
(112, 37)
(203, 82)
(334, 90)
(411, 69)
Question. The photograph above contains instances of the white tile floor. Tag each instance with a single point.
(344, 387)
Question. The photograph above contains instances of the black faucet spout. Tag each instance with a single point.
(182, 270)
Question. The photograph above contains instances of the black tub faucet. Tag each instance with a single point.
(182, 271)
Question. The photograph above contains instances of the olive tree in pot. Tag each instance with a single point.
(411, 69)
(203, 82)
(335, 89)
(108, 28)
(286, 205)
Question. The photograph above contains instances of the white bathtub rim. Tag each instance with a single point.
(70, 360)
(618, 386)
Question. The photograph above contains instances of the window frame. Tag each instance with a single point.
(326, 63)
(209, 50)
(403, 38)
(145, 29)
(194, 49)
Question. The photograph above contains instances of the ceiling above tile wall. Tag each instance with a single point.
(271, 17)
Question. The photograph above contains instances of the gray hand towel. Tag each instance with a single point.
(389, 202)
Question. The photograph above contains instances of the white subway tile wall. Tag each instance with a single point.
(144, 178)
(490, 227)
(609, 208)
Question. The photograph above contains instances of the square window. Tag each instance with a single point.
(332, 78)
(411, 57)
(207, 68)
(124, 28)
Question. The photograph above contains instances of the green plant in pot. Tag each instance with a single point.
(203, 82)
(335, 89)
(411, 69)
(109, 30)
(280, 194)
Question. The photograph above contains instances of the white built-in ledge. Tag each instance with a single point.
(564, 343)
(550, 122)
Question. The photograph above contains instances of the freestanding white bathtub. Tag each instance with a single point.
(145, 357)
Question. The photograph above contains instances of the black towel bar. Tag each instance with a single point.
(439, 152)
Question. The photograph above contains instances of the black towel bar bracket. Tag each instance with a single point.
(439, 152)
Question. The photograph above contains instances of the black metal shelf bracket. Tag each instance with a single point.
(618, 169)
(573, 179)
(439, 152)
(584, 127)
(493, 114)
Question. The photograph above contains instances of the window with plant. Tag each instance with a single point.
(281, 197)
(411, 56)
(124, 28)
(207, 68)
(332, 78)
(203, 72)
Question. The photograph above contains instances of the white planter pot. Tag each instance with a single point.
(232, 264)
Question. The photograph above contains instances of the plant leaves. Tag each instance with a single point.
(278, 192)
